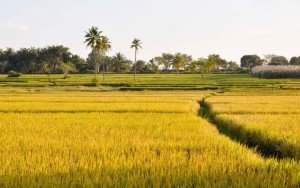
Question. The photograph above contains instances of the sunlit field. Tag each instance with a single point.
(269, 120)
(150, 94)
(128, 139)
(80, 136)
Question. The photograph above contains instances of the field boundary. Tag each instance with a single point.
(238, 133)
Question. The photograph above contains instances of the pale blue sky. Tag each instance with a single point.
(230, 28)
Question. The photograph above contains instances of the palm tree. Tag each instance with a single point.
(93, 39)
(104, 46)
(178, 62)
(136, 44)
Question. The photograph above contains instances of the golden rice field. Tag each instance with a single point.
(280, 132)
(270, 121)
(127, 139)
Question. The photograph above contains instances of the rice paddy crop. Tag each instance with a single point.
(278, 132)
(256, 108)
(154, 82)
(268, 121)
(87, 144)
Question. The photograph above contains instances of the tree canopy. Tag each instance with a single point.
(279, 60)
(250, 61)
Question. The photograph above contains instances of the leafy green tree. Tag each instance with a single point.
(27, 60)
(295, 61)
(55, 56)
(168, 60)
(108, 63)
(209, 65)
(3, 62)
(55, 59)
(188, 60)
(204, 66)
(136, 44)
(3, 65)
(142, 67)
(158, 61)
(79, 63)
(193, 66)
(221, 63)
(155, 63)
(250, 61)
(120, 63)
(232, 66)
(93, 40)
(279, 60)
(178, 62)
(94, 61)
(268, 58)
(9, 56)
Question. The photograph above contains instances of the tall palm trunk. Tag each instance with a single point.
(134, 64)
(95, 63)
(103, 70)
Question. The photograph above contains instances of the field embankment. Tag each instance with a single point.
(267, 121)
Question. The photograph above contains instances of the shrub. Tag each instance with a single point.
(273, 72)
(14, 74)
(95, 82)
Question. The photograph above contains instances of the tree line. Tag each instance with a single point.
(250, 61)
(59, 59)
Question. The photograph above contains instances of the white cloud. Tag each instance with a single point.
(19, 27)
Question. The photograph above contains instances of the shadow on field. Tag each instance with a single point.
(237, 134)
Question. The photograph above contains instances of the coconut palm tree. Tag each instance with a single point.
(178, 62)
(104, 46)
(136, 44)
(93, 39)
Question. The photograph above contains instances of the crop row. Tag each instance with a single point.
(38, 107)
(268, 122)
(110, 149)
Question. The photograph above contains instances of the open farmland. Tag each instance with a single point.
(152, 146)
(79, 136)
(155, 82)
(268, 120)
(149, 94)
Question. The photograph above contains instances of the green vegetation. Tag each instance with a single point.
(162, 81)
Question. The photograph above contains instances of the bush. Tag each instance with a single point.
(274, 72)
(14, 74)
(95, 82)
